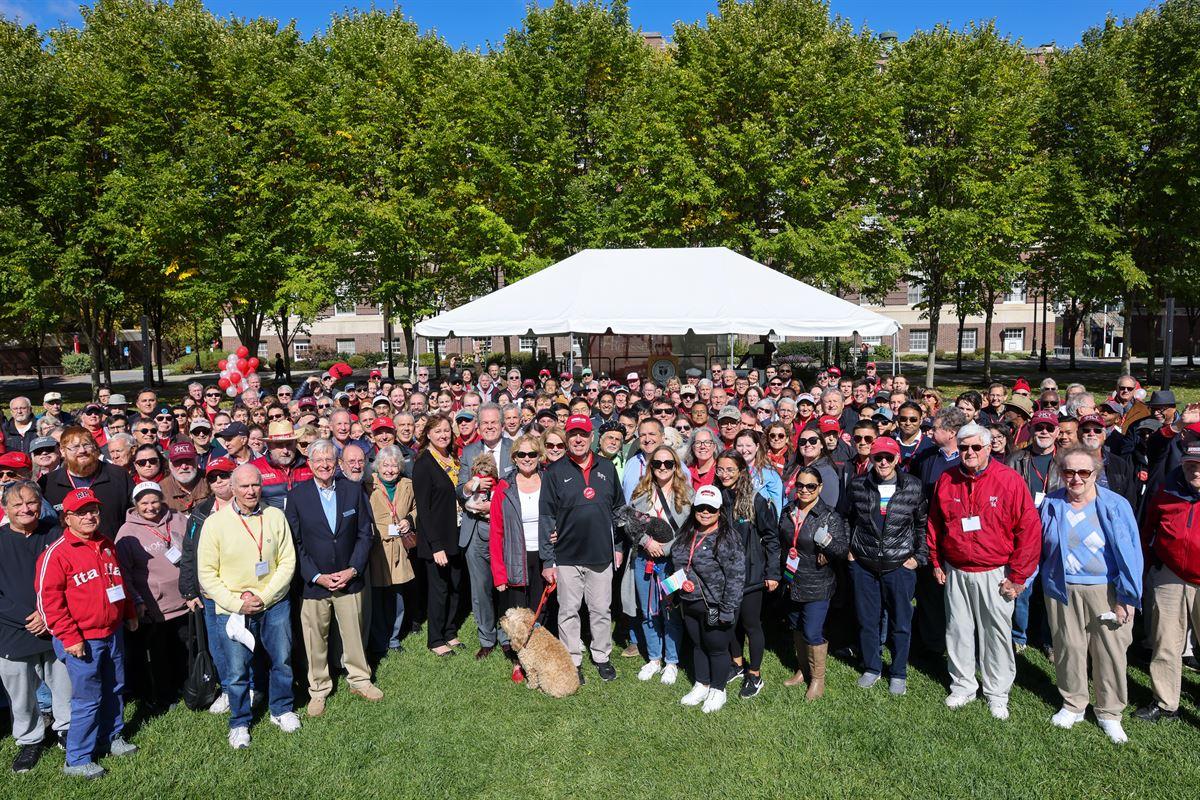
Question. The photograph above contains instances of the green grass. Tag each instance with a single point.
(458, 728)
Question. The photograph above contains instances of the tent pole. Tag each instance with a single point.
(895, 355)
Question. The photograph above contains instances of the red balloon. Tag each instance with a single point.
(223, 383)
(243, 351)
(254, 362)
(235, 378)
(221, 365)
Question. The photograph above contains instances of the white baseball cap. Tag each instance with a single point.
(709, 496)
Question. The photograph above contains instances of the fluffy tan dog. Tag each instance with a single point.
(545, 660)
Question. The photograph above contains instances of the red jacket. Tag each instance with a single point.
(1171, 530)
(72, 580)
(1011, 530)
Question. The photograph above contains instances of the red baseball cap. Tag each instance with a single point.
(79, 498)
(834, 371)
(1045, 417)
(15, 459)
(383, 422)
(222, 464)
(885, 444)
(829, 424)
(1021, 384)
(544, 373)
(376, 374)
(578, 422)
(182, 451)
(1091, 419)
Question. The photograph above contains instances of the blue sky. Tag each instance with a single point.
(476, 22)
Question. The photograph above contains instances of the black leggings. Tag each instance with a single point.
(710, 646)
(749, 626)
(525, 596)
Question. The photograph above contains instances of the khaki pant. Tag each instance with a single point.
(1078, 634)
(975, 609)
(314, 627)
(1175, 601)
(576, 584)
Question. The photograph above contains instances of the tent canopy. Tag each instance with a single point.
(667, 291)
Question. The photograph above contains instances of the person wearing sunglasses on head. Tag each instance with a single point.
(984, 538)
(885, 513)
(813, 536)
(1091, 574)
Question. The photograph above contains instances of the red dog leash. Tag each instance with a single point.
(541, 605)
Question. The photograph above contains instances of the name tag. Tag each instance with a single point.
(393, 530)
(261, 569)
(793, 561)
(173, 554)
(115, 593)
(674, 582)
(971, 524)
(1038, 497)
(349, 513)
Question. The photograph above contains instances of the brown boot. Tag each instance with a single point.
(816, 666)
(798, 678)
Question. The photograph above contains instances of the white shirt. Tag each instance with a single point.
(530, 517)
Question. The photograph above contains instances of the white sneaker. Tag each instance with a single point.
(999, 710)
(649, 671)
(288, 723)
(239, 738)
(1112, 727)
(669, 674)
(1065, 719)
(715, 701)
(696, 696)
(958, 700)
(220, 705)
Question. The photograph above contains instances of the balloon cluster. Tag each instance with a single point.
(236, 368)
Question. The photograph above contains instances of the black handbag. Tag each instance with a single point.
(202, 687)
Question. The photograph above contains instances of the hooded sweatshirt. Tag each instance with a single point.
(142, 548)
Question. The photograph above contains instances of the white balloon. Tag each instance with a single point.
(232, 392)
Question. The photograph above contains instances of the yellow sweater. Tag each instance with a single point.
(226, 555)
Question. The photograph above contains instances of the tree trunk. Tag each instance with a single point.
(507, 352)
(406, 330)
(1127, 334)
(38, 341)
(1072, 313)
(962, 325)
(196, 344)
(1193, 315)
(935, 318)
(988, 310)
(1152, 351)
(248, 326)
(158, 351)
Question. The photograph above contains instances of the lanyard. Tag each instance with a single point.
(259, 541)
(164, 538)
(696, 542)
(798, 521)
(1045, 479)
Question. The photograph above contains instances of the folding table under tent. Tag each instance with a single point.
(658, 291)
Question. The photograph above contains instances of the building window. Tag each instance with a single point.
(397, 346)
(1014, 340)
(343, 304)
(578, 345)
(346, 347)
(300, 348)
(527, 344)
(915, 294)
(918, 341)
(483, 345)
(262, 350)
(969, 340)
(872, 341)
(1016, 294)
(429, 346)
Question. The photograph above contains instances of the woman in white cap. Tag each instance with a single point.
(149, 548)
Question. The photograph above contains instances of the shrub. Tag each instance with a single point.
(186, 365)
(76, 363)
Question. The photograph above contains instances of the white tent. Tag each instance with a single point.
(667, 291)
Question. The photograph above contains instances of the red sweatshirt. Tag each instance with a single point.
(72, 579)
(1010, 532)
(1171, 530)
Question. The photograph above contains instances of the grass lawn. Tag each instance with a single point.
(458, 728)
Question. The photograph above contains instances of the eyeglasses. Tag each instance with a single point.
(525, 454)
(725, 422)
(1043, 428)
(89, 512)
(909, 419)
(554, 446)
(80, 448)
(146, 462)
(324, 406)
(808, 441)
(703, 443)
(657, 464)
(284, 394)
(778, 437)
(8, 473)
(808, 487)
(974, 448)
(1082, 474)
(859, 439)
(274, 417)
(929, 395)
(1091, 430)
(1126, 388)
(883, 458)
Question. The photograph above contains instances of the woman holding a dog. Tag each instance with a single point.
(664, 493)
(709, 554)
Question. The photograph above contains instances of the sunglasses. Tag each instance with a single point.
(777, 436)
(1043, 428)
(657, 464)
(808, 487)
(882, 457)
(8, 473)
(202, 432)
(661, 411)
(929, 396)
(684, 428)
(974, 448)
(1091, 430)
(274, 417)
(212, 394)
(219, 476)
(808, 440)
(909, 419)
(44, 451)
(1082, 474)
(324, 406)
(705, 509)
(284, 394)
(525, 454)
(146, 462)
(163, 418)
(91, 412)
(554, 446)
(1119, 389)
(146, 431)
(858, 439)
(304, 444)
(776, 383)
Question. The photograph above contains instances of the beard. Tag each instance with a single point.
(281, 458)
(82, 464)
(184, 475)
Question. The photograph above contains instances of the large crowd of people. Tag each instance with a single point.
(311, 532)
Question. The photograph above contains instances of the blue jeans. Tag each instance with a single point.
(809, 618)
(272, 630)
(1023, 628)
(97, 706)
(45, 700)
(387, 618)
(662, 630)
(873, 595)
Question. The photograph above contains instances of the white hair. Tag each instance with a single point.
(971, 429)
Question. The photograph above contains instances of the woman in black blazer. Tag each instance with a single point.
(435, 473)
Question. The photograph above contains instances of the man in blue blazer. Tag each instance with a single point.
(333, 530)
(473, 533)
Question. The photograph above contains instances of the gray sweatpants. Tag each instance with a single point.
(593, 584)
(975, 608)
(21, 678)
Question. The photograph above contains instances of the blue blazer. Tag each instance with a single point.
(320, 551)
(1122, 544)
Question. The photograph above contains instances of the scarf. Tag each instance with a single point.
(450, 465)
(390, 488)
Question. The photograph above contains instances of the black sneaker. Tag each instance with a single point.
(736, 672)
(1154, 712)
(751, 685)
(28, 757)
(579, 672)
(1190, 662)
(607, 671)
